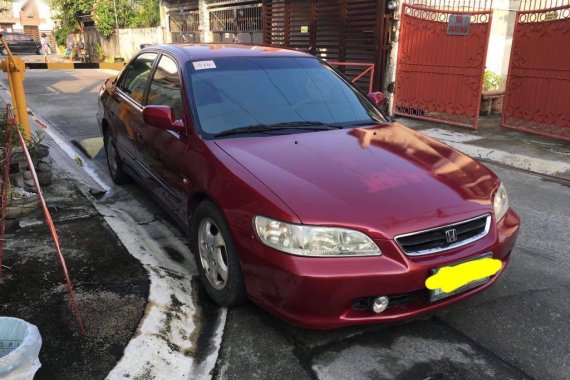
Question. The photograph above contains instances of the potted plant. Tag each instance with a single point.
(100, 53)
(39, 152)
(21, 203)
(492, 95)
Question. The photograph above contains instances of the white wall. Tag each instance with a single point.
(501, 36)
(123, 42)
(205, 22)
(16, 6)
(45, 14)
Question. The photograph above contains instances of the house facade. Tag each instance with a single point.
(338, 30)
(32, 17)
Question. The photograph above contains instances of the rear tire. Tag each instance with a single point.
(114, 162)
(216, 256)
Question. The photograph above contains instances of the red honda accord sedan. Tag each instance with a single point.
(297, 192)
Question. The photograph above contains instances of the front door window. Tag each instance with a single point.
(165, 86)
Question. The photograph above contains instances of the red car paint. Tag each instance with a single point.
(383, 180)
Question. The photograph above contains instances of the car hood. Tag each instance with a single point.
(384, 180)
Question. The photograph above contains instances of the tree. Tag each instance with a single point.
(147, 14)
(66, 16)
(128, 14)
(104, 15)
(5, 9)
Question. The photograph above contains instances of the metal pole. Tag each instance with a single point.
(15, 68)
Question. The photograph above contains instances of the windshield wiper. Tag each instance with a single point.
(264, 128)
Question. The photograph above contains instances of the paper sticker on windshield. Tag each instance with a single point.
(203, 65)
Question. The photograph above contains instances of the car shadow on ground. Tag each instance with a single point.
(256, 344)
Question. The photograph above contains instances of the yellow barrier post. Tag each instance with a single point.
(15, 68)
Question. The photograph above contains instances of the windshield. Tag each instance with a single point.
(233, 93)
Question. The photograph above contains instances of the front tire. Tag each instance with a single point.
(216, 256)
(114, 162)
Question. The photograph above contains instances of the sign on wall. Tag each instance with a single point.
(459, 25)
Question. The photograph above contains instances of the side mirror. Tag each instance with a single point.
(377, 98)
(162, 117)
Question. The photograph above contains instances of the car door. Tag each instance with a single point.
(27, 44)
(160, 151)
(21, 42)
(125, 105)
(13, 42)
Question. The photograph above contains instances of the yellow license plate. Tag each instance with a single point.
(449, 280)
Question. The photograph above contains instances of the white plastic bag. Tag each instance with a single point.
(20, 344)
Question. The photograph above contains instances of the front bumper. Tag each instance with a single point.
(321, 293)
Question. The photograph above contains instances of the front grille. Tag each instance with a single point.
(436, 239)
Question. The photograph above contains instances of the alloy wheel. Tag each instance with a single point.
(213, 256)
(112, 158)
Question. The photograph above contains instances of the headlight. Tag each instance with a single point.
(501, 203)
(312, 240)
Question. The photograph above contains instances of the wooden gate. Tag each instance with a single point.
(537, 97)
(441, 60)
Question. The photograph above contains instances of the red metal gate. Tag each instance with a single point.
(537, 97)
(440, 72)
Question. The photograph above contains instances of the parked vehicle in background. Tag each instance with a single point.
(19, 43)
(297, 192)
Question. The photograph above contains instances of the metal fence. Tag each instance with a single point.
(440, 70)
(537, 95)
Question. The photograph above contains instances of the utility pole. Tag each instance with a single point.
(117, 26)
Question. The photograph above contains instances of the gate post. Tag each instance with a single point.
(15, 68)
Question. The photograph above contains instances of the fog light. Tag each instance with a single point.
(380, 304)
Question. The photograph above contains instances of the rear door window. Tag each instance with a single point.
(134, 82)
(165, 89)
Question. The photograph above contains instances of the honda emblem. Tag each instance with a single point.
(451, 235)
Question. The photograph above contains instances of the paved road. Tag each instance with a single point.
(517, 329)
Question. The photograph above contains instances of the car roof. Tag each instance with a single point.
(214, 50)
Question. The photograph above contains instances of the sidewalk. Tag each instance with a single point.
(40, 58)
(111, 286)
(504, 146)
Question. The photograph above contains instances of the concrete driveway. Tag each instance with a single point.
(517, 329)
